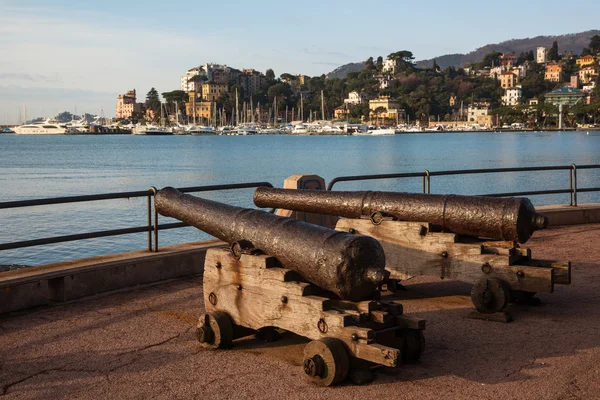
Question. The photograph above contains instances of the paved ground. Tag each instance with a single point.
(139, 344)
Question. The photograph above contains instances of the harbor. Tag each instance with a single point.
(250, 205)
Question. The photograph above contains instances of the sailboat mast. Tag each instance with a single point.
(322, 107)
(237, 112)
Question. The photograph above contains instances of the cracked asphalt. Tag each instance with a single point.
(139, 344)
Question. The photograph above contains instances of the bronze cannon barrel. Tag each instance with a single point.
(511, 218)
(350, 266)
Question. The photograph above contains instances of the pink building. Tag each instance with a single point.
(126, 105)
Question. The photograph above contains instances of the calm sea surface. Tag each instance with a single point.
(50, 166)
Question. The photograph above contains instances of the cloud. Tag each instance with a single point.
(28, 77)
(334, 64)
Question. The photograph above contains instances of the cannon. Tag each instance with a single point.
(512, 219)
(468, 238)
(280, 273)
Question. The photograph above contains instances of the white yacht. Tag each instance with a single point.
(201, 131)
(151, 130)
(299, 129)
(379, 131)
(42, 128)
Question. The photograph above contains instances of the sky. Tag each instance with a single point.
(58, 55)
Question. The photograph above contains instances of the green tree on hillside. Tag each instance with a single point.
(553, 52)
(594, 45)
(153, 101)
(369, 64)
(379, 64)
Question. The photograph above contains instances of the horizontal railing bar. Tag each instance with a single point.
(73, 199)
(373, 177)
(224, 187)
(498, 170)
(589, 166)
(72, 238)
(531, 193)
(457, 172)
(588, 189)
(123, 195)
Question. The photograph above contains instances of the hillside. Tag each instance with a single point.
(341, 72)
(574, 42)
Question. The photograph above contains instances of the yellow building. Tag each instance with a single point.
(390, 106)
(453, 100)
(588, 74)
(341, 112)
(508, 80)
(204, 109)
(212, 91)
(585, 60)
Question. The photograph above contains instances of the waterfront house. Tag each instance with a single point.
(479, 113)
(554, 72)
(566, 96)
(341, 112)
(127, 105)
(390, 106)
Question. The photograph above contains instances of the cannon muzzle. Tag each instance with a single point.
(350, 266)
(512, 218)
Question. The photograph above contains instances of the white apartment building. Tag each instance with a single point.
(512, 96)
(188, 86)
(355, 98)
(390, 66)
(541, 55)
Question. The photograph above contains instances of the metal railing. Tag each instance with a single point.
(426, 179)
(152, 228)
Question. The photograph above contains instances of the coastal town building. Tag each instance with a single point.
(541, 55)
(588, 74)
(388, 106)
(585, 61)
(384, 81)
(390, 66)
(186, 82)
(508, 80)
(512, 96)
(453, 100)
(251, 81)
(211, 91)
(200, 109)
(127, 105)
(355, 98)
(341, 112)
(508, 59)
(554, 72)
(565, 96)
(574, 82)
(479, 113)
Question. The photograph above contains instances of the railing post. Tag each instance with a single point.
(574, 188)
(428, 177)
(153, 190)
(149, 219)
